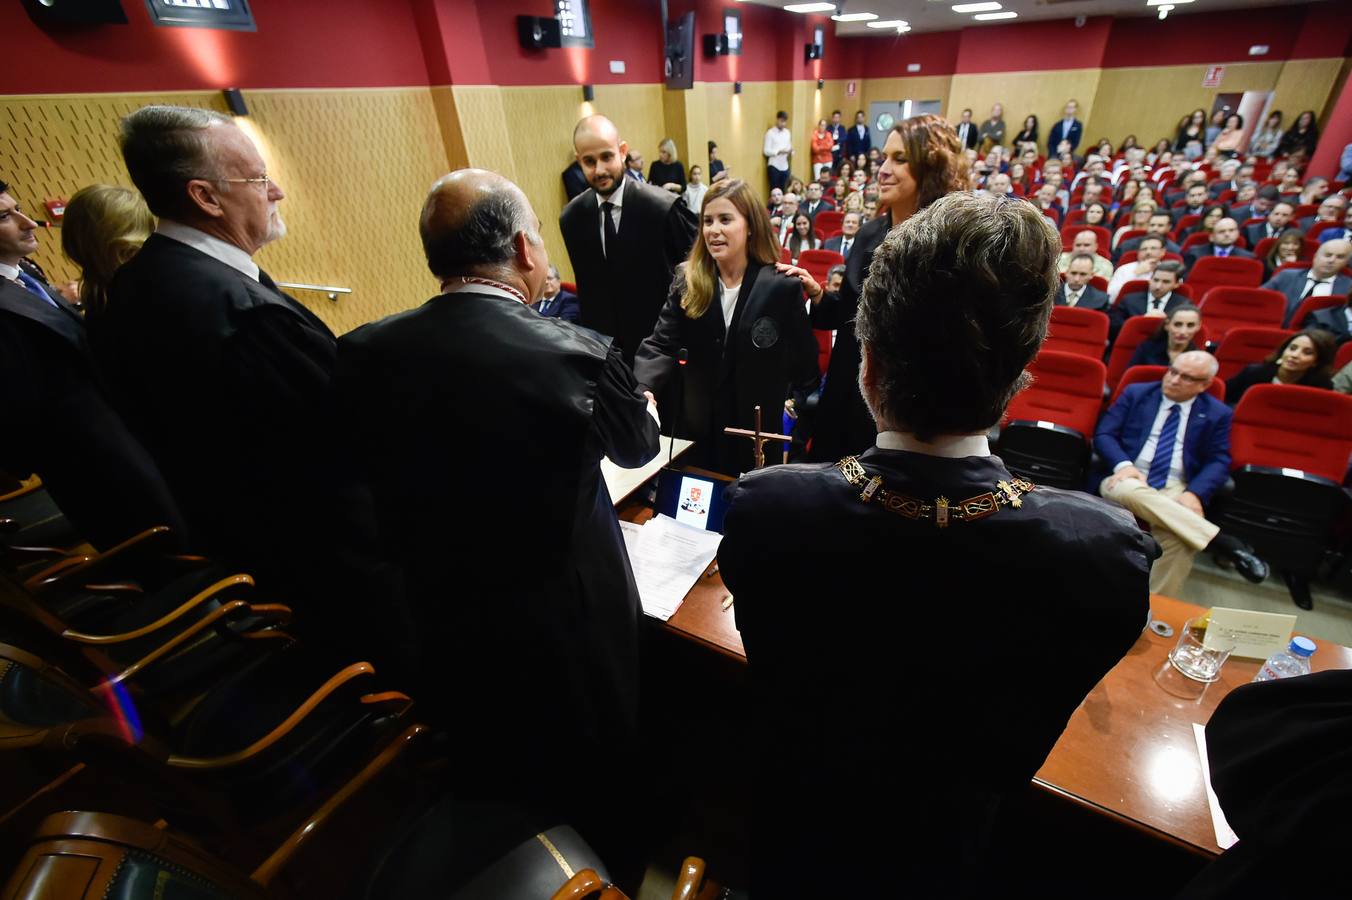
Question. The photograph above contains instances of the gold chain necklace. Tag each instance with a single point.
(941, 511)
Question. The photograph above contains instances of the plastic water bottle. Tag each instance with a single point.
(1293, 661)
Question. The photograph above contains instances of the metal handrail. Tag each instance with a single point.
(331, 291)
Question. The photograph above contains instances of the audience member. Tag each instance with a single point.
(555, 302)
(1160, 153)
(1176, 335)
(1158, 225)
(1139, 221)
(1323, 278)
(801, 237)
(1215, 127)
(226, 381)
(633, 167)
(1289, 248)
(1305, 359)
(1086, 242)
(835, 277)
(1028, 134)
(1159, 299)
(1314, 190)
(1275, 224)
(1224, 234)
(1265, 141)
(624, 239)
(1329, 215)
(783, 224)
(858, 139)
(837, 130)
(667, 172)
(1165, 450)
(999, 185)
(992, 132)
(744, 327)
(1045, 199)
(1095, 213)
(62, 425)
(1190, 130)
(1304, 135)
(843, 243)
(693, 196)
(980, 269)
(968, 132)
(716, 166)
(1149, 253)
(1196, 201)
(1068, 130)
(1076, 289)
(477, 357)
(1207, 223)
(1342, 381)
(1262, 203)
(814, 203)
(822, 143)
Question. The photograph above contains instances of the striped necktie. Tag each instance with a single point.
(1164, 450)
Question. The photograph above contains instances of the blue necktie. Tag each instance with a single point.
(1222, 252)
(34, 287)
(1164, 450)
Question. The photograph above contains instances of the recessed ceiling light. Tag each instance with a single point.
(855, 17)
(890, 23)
(810, 7)
(975, 7)
(1166, 2)
(986, 17)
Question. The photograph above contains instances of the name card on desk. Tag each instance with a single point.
(1257, 635)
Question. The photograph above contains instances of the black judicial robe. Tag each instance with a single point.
(58, 424)
(909, 675)
(226, 382)
(843, 424)
(622, 293)
(480, 426)
(770, 355)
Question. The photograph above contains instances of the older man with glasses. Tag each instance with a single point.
(1166, 448)
(224, 378)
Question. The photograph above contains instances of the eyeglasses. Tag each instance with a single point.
(1191, 379)
(262, 180)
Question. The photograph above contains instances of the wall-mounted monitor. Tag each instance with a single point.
(234, 15)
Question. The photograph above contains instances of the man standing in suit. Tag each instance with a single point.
(843, 243)
(537, 637)
(1159, 226)
(858, 140)
(1277, 221)
(968, 134)
(61, 427)
(624, 238)
(555, 302)
(1077, 291)
(837, 130)
(1166, 449)
(1222, 244)
(980, 270)
(225, 380)
(1323, 278)
(1068, 128)
(574, 180)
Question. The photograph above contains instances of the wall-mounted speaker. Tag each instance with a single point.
(812, 51)
(716, 45)
(76, 12)
(538, 32)
(234, 101)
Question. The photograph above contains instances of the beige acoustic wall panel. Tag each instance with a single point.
(887, 90)
(738, 122)
(355, 166)
(1306, 84)
(1043, 94)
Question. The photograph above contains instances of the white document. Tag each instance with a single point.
(623, 482)
(1225, 836)
(668, 558)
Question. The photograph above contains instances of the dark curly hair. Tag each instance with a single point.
(934, 155)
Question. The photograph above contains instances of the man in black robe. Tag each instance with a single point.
(225, 379)
(480, 426)
(919, 623)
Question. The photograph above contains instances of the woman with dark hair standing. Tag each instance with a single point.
(1304, 359)
(1304, 135)
(1029, 133)
(743, 327)
(922, 161)
(1193, 128)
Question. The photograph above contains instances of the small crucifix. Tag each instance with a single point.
(758, 438)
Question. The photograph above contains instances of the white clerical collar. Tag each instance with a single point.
(8, 272)
(214, 247)
(948, 446)
(458, 285)
(616, 196)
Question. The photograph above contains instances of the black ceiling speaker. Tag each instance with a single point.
(538, 32)
(76, 12)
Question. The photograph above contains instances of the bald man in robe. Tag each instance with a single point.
(480, 426)
(624, 238)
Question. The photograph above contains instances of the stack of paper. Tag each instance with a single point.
(668, 558)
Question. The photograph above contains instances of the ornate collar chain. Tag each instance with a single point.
(941, 512)
(474, 279)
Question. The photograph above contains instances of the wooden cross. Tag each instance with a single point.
(759, 438)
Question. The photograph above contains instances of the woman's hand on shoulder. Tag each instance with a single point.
(810, 285)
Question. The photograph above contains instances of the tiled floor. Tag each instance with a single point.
(1330, 620)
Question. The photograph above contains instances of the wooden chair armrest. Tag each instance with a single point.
(178, 641)
(121, 587)
(192, 603)
(585, 884)
(29, 488)
(56, 568)
(688, 884)
(356, 670)
(271, 866)
(151, 539)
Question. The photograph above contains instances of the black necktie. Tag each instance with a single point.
(1310, 285)
(608, 225)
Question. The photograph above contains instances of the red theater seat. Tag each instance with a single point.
(1245, 345)
(1212, 271)
(828, 220)
(1343, 356)
(819, 262)
(1138, 374)
(1224, 308)
(1291, 427)
(1049, 425)
(1082, 331)
(568, 286)
(1310, 304)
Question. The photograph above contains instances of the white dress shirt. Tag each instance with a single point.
(1125, 272)
(948, 446)
(845, 244)
(1152, 304)
(1147, 454)
(694, 197)
(778, 144)
(1322, 288)
(729, 302)
(11, 273)
(617, 198)
(214, 247)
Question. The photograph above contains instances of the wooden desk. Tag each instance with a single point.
(1128, 752)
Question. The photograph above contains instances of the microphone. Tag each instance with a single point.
(682, 357)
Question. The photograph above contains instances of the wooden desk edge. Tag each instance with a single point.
(1207, 853)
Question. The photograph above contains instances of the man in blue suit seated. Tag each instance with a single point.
(1170, 488)
(1323, 278)
(556, 303)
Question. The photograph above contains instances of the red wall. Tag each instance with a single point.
(1034, 46)
(1225, 37)
(885, 57)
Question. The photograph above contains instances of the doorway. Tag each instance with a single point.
(882, 115)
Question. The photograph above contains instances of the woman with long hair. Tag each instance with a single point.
(102, 228)
(1193, 128)
(1161, 147)
(1268, 138)
(801, 237)
(1288, 249)
(743, 327)
(1304, 359)
(1176, 334)
(1304, 135)
(922, 161)
(1230, 141)
(1029, 133)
